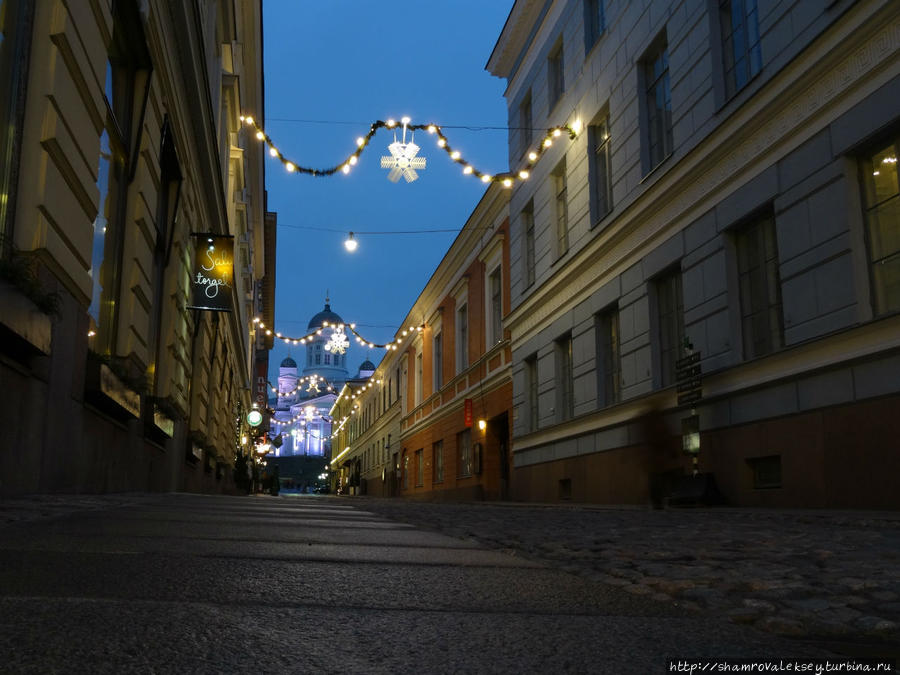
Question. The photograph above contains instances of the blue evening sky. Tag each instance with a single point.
(333, 67)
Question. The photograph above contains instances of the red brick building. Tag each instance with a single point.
(417, 430)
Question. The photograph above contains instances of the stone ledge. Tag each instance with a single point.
(24, 319)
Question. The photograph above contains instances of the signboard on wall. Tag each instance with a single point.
(467, 412)
(212, 276)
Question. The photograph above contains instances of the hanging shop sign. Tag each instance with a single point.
(213, 274)
(467, 412)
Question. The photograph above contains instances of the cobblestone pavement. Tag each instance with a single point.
(810, 574)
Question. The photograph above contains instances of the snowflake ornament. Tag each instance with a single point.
(403, 160)
(338, 343)
(313, 386)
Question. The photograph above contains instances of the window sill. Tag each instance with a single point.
(657, 168)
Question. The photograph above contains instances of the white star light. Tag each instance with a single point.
(338, 343)
(403, 160)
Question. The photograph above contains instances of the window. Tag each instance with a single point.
(397, 380)
(528, 257)
(525, 124)
(462, 338)
(882, 204)
(659, 104)
(464, 447)
(594, 23)
(327, 359)
(496, 291)
(739, 21)
(599, 176)
(418, 378)
(127, 69)
(766, 472)
(562, 209)
(420, 468)
(555, 81)
(670, 312)
(437, 461)
(318, 359)
(405, 470)
(13, 44)
(760, 288)
(438, 362)
(565, 379)
(531, 388)
(608, 373)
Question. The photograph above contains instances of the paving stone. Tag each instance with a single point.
(782, 626)
(810, 604)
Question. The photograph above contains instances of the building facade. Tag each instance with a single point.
(122, 140)
(724, 223)
(415, 424)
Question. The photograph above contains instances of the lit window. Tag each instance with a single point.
(882, 215)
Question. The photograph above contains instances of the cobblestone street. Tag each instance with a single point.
(812, 574)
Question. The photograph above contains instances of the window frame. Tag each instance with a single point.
(495, 305)
(609, 357)
(657, 150)
(565, 369)
(528, 242)
(594, 23)
(882, 303)
(600, 169)
(730, 59)
(526, 123)
(532, 398)
(437, 461)
(669, 350)
(561, 208)
(762, 276)
(556, 83)
(465, 465)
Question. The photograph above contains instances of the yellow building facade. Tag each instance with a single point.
(122, 142)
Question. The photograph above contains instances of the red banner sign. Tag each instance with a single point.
(467, 412)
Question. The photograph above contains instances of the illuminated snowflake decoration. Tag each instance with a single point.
(338, 343)
(403, 160)
(313, 387)
(310, 413)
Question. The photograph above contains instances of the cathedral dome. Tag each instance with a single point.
(289, 363)
(367, 365)
(323, 316)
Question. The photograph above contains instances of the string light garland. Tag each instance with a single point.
(312, 379)
(393, 345)
(506, 178)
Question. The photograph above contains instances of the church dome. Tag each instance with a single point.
(367, 365)
(323, 316)
(289, 363)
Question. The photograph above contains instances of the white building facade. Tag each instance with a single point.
(733, 188)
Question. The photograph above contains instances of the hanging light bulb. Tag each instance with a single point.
(350, 243)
